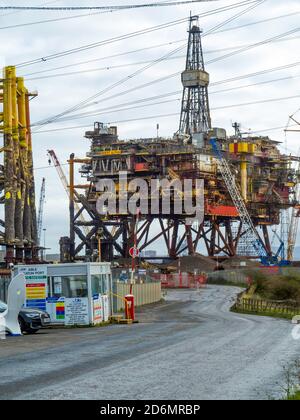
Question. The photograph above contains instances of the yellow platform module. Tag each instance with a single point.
(252, 148)
(17, 173)
(242, 147)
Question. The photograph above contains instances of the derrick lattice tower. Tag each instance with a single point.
(195, 115)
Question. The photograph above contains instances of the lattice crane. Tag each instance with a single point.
(64, 182)
(293, 229)
(294, 223)
(41, 211)
(249, 231)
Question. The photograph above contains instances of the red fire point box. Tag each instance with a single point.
(129, 308)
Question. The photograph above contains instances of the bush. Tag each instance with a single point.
(259, 279)
(277, 287)
(284, 291)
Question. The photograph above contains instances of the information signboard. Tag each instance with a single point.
(76, 311)
(97, 309)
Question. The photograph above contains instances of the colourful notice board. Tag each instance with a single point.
(36, 286)
(60, 309)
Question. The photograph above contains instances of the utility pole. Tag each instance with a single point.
(195, 114)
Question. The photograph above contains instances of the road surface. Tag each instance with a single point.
(190, 347)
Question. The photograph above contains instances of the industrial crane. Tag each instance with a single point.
(249, 231)
(252, 237)
(64, 182)
(41, 211)
(293, 229)
(281, 251)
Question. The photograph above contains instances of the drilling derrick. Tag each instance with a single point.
(195, 115)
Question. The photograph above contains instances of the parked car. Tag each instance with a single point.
(30, 320)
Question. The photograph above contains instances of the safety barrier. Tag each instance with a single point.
(181, 280)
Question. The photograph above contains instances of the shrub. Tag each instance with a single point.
(283, 291)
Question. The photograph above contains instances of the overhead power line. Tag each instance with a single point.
(87, 101)
(162, 79)
(257, 73)
(97, 69)
(245, 25)
(118, 7)
(14, 12)
(101, 43)
(131, 35)
(173, 114)
(264, 101)
(256, 44)
(118, 66)
(107, 89)
(38, 22)
(78, 63)
(270, 129)
(137, 103)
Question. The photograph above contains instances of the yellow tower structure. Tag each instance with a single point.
(16, 173)
(244, 180)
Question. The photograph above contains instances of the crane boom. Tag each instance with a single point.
(293, 229)
(64, 182)
(249, 231)
(41, 211)
(292, 234)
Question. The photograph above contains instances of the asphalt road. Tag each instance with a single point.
(190, 347)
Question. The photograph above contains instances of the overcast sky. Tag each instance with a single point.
(25, 43)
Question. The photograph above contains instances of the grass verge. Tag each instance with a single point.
(263, 313)
(295, 397)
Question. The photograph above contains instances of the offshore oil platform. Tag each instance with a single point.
(248, 184)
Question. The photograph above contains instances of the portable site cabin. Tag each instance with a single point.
(72, 294)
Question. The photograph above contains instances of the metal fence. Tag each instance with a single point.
(144, 293)
(125, 275)
(243, 276)
(229, 276)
